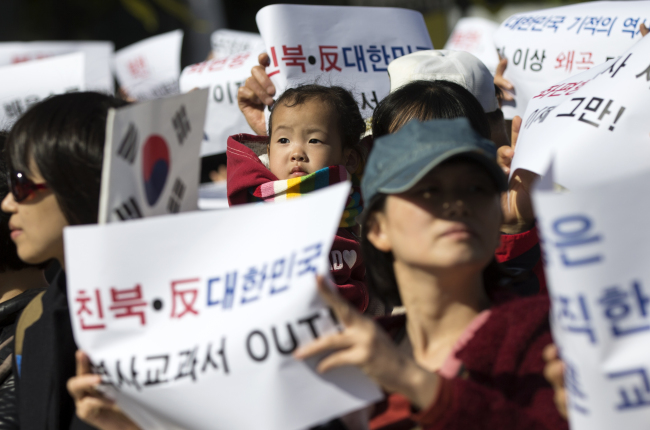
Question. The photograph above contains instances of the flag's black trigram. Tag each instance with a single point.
(181, 124)
(174, 204)
(128, 210)
(129, 146)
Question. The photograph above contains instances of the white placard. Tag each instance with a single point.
(551, 45)
(223, 77)
(30, 82)
(594, 124)
(151, 158)
(198, 324)
(339, 45)
(98, 54)
(476, 36)
(231, 42)
(596, 246)
(150, 69)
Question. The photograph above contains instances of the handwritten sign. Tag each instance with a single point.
(344, 45)
(150, 68)
(223, 76)
(30, 82)
(197, 327)
(151, 158)
(593, 124)
(476, 36)
(232, 42)
(97, 54)
(596, 255)
(551, 45)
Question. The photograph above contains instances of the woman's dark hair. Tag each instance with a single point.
(350, 122)
(65, 136)
(8, 255)
(380, 275)
(425, 100)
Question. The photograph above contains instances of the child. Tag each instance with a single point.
(314, 135)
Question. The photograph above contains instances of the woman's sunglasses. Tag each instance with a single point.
(21, 186)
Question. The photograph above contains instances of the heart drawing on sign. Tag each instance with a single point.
(155, 167)
(350, 257)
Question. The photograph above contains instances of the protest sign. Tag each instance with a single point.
(596, 260)
(340, 45)
(223, 76)
(593, 124)
(30, 82)
(97, 54)
(151, 158)
(476, 36)
(550, 45)
(194, 323)
(231, 42)
(150, 68)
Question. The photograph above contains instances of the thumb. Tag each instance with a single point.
(501, 67)
(516, 127)
(344, 312)
(83, 363)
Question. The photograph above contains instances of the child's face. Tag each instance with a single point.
(304, 139)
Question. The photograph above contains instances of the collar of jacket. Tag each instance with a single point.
(10, 309)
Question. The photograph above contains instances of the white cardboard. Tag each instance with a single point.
(476, 36)
(551, 45)
(231, 42)
(151, 158)
(596, 249)
(30, 82)
(150, 68)
(590, 139)
(339, 45)
(181, 265)
(97, 65)
(223, 77)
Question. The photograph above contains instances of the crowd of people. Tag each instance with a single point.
(445, 308)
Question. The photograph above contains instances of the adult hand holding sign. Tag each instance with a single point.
(518, 215)
(256, 94)
(363, 344)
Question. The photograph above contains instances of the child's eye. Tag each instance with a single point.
(315, 141)
(283, 140)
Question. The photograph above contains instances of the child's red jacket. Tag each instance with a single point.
(246, 171)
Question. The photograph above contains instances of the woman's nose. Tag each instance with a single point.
(9, 204)
(455, 208)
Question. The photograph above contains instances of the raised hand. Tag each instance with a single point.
(92, 406)
(363, 344)
(518, 214)
(255, 94)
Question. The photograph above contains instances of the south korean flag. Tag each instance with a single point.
(151, 158)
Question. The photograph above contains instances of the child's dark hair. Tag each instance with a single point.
(350, 121)
(425, 100)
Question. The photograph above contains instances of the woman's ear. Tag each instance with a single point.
(378, 233)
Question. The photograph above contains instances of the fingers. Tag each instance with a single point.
(321, 345)
(254, 84)
(516, 126)
(504, 158)
(501, 67)
(347, 357)
(264, 59)
(83, 386)
(246, 96)
(345, 313)
(83, 363)
(643, 29)
(550, 352)
(264, 81)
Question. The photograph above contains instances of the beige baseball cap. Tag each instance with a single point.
(459, 67)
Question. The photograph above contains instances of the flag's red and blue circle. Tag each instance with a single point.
(155, 167)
